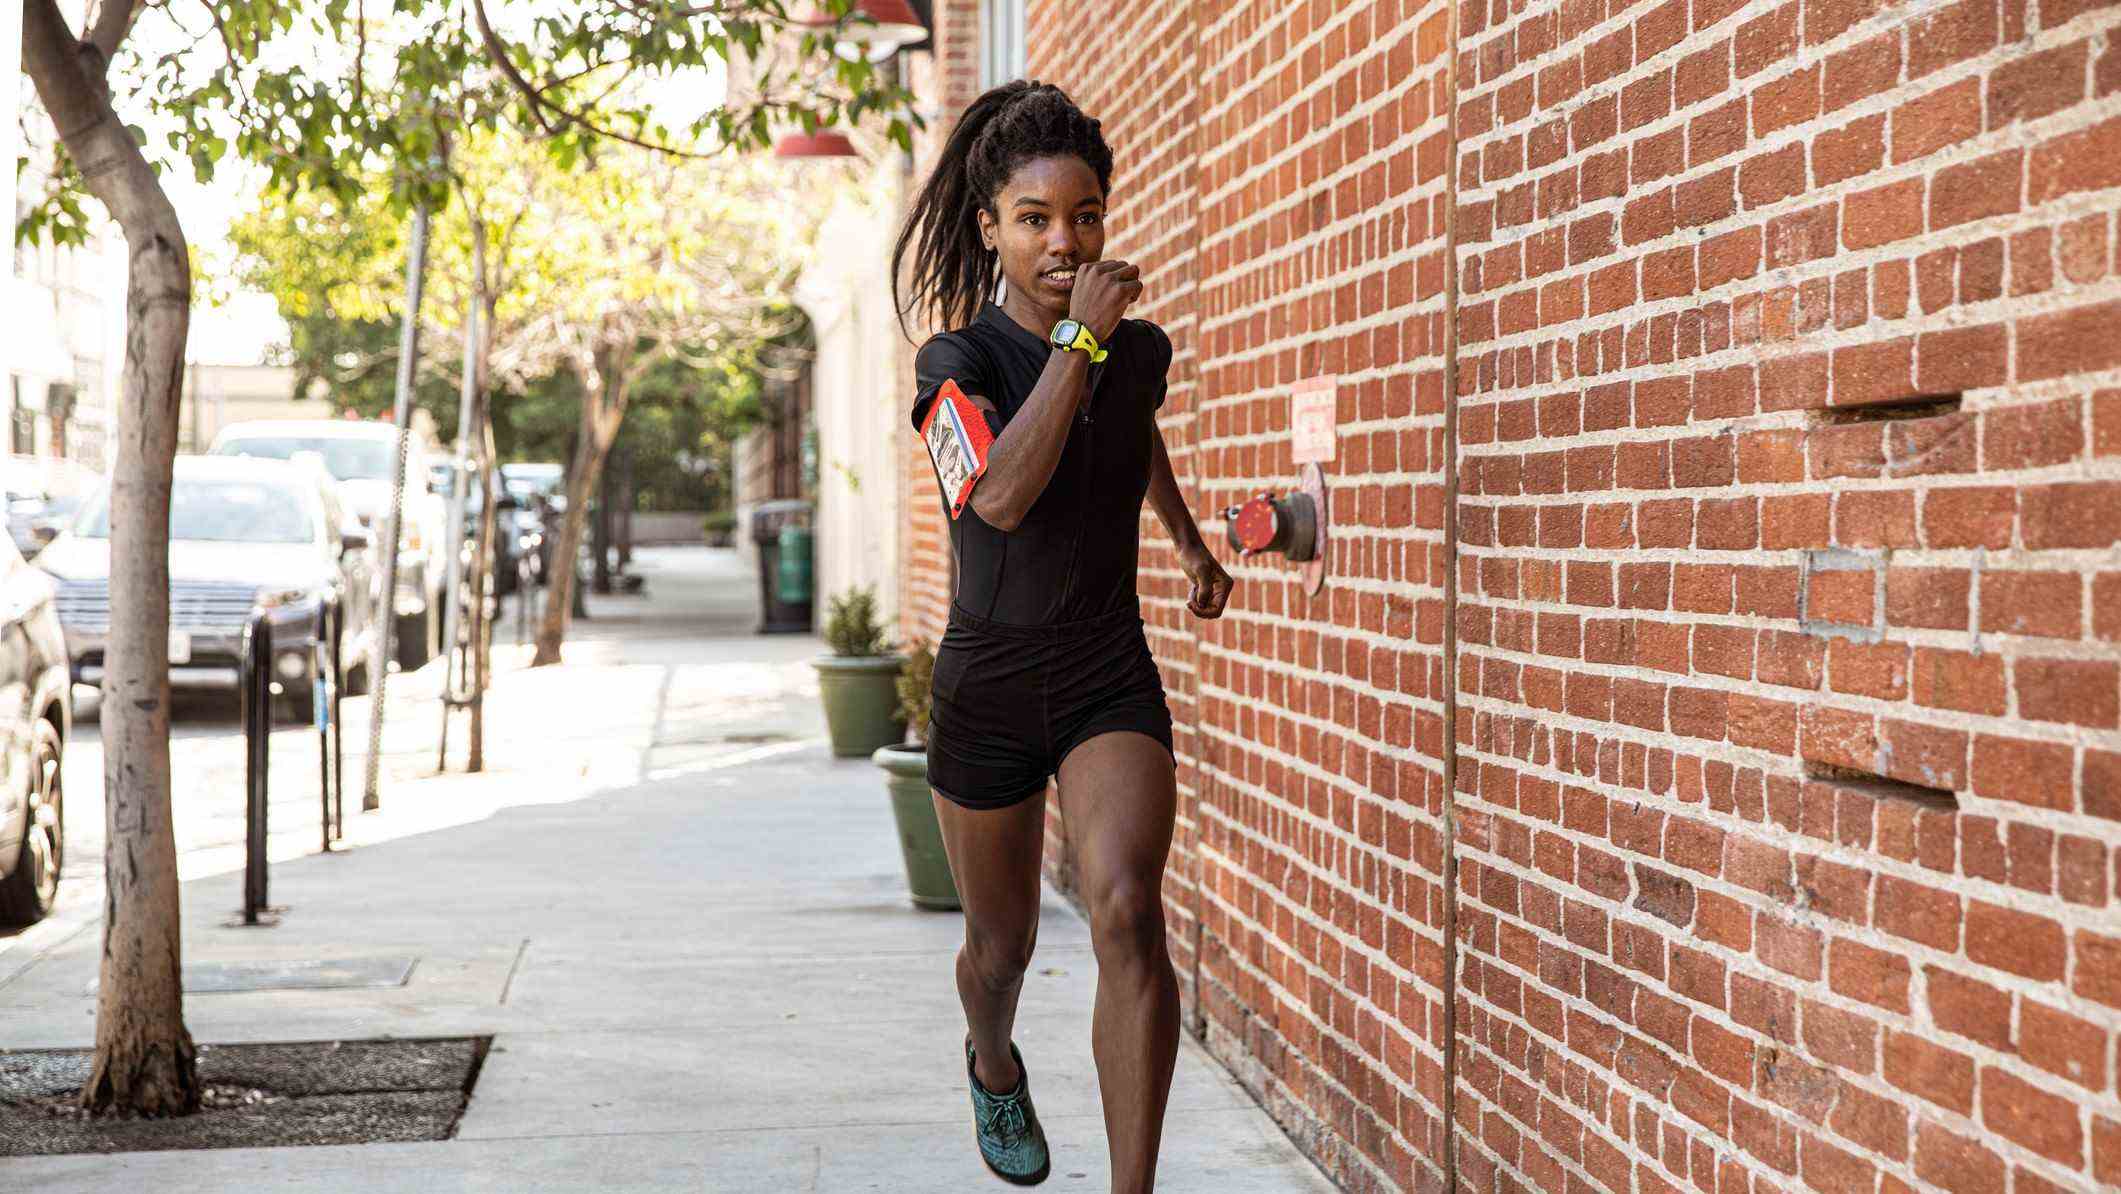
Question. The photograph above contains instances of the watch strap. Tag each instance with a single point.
(1086, 342)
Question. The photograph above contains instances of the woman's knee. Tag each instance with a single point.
(1127, 921)
(998, 960)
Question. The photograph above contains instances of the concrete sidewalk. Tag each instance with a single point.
(683, 922)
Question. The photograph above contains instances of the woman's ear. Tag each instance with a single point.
(986, 229)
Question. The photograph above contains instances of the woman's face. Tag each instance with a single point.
(1048, 219)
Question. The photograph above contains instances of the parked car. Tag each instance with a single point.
(518, 532)
(535, 479)
(244, 534)
(36, 722)
(43, 492)
(358, 453)
(541, 487)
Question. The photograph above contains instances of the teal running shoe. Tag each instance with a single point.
(1010, 1140)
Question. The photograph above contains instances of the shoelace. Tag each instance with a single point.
(1005, 1122)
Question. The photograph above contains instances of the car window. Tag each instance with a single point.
(345, 459)
(222, 512)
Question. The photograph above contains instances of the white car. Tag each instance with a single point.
(244, 535)
(358, 453)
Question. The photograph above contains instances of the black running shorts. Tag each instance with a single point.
(1011, 701)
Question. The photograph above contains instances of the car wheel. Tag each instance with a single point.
(27, 894)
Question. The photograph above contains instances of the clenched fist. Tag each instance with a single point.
(1103, 290)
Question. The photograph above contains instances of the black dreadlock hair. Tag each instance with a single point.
(1017, 122)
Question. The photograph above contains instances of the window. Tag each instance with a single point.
(1001, 42)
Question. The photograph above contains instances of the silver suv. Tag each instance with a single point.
(358, 454)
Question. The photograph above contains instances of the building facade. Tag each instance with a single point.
(846, 292)
(64, 308)
(1701, 767)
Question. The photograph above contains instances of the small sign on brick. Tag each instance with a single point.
(1313, 412)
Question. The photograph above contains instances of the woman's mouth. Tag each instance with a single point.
(1059, 279)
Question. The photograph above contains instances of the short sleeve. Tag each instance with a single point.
(1160, 361)
(946, 357)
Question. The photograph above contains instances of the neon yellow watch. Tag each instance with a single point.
(1071, 334)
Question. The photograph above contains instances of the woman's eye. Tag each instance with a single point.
(1034, 221)
(1090, 217)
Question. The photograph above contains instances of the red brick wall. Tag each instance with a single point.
(1321, 199)
(1701, 570)
(1766, 508)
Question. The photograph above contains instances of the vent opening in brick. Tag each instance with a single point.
(1916, 406)
(1879, 787)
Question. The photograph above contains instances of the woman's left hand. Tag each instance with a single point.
(1211, 585)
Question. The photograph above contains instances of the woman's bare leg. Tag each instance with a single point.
(1119, 800)
(994, 856)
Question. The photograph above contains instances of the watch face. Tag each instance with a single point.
(1066, 331)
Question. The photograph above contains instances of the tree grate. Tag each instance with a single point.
(252, 1096)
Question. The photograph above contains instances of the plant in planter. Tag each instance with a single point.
(920, 838)
(720, 527)
(858, 680)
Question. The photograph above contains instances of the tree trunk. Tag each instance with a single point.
(482, 559)
(631, 498)
(600, 534)
(583, 475)
(144, 1062)
(482, 582)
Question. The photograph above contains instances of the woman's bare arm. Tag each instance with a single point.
(1168, 502)
(1023, 456)
(1211, 585)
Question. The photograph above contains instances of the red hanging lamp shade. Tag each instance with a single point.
(894, 23)
(824, 143)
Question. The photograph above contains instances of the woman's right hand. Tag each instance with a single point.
(1103, 290)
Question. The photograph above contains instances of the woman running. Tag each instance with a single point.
(1044, 669)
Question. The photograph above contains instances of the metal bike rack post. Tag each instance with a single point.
(325, 687)
(255, 680)
(338, 722)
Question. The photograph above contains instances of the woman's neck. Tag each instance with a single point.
(1031, 316)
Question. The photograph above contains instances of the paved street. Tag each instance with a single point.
(682, 920)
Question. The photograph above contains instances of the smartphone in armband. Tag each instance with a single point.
(958, 438)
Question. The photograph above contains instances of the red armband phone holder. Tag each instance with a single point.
(957, 438)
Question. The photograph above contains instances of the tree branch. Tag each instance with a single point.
(360, 62)
(113, 20)
(228, 43)
(540, 105)
(689, 11)
(51, 59)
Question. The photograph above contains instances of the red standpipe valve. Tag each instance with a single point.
(1287, 524)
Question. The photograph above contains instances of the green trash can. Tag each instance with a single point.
(792, 570)
(780, 571)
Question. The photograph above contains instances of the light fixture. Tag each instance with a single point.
(890, 25)
(824, 143)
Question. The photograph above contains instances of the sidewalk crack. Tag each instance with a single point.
(513, 966)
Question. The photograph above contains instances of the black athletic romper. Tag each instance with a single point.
(1044, 646)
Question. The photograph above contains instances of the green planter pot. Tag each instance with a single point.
(920, 838)
(861, 702)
